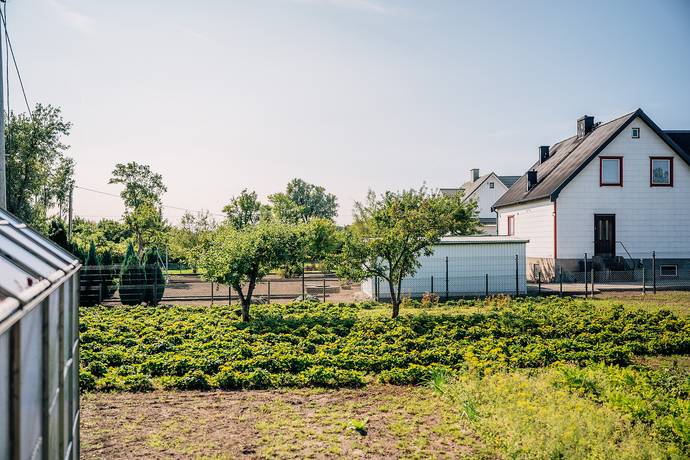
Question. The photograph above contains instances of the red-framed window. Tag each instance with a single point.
(610, 171)
(511, 225)
(661, 171)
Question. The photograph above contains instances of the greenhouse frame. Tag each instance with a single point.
(39, 345)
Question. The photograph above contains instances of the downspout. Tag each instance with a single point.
(555, 233)
(497, 232)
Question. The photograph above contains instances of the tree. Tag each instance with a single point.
(392, 231)
(321, 239)
(39, 174)
(303, 201)
(147, 225)
(58, 233)
(108, 272)
(141, 184)
(188, 240)
(155, 282)
(243, 210)
(132, 279)
(241, 258)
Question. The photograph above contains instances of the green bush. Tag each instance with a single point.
(90, 280)
(132, 279)
(108, 273)
(155, 281)
(87, 381)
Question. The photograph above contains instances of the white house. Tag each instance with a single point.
(617, 191)
(485, 190)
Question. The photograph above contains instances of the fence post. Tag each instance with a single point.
(560, 277)
(302, 280)
(592, 280)
(654, 269)
(211, 292)
(486, 284)
(539, 281)
(324, 288)
(376, 288)
(432, 285)
(446, 278)
(585, 271)
(517, 276)
(229, 295)
(269, 290)
(644, 280)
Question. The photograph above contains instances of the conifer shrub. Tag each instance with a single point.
(155, 281)
(132, 279)
(108, 273)
(91, 281)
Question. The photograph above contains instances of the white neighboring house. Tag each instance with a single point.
(616, 191)
(485, 190)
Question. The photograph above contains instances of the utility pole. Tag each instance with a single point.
(3, 174)
(69, 215)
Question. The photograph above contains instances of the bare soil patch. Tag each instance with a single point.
(400, 422)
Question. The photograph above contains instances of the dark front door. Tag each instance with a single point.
(605, 235)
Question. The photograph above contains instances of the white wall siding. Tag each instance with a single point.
(533, 221)
(468, 265)
(647, 218)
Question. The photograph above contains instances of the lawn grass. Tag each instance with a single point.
(677, 302)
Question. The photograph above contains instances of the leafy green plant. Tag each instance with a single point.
(132, 279)
(155, 281)
(360, 426)
(91, 283)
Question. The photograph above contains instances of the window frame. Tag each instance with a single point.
(651, 171)
(661, 270)
(491, 185)
(634, 132)
(620, 171)
(511, 225)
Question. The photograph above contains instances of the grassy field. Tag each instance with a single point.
(528, 378)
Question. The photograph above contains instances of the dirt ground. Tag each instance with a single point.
(192, 290)
(394, 422)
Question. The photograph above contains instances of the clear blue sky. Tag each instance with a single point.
(350, 94)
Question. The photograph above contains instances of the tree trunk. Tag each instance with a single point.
(395, 299)
(245, 309)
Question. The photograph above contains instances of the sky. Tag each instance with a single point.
(223, 95)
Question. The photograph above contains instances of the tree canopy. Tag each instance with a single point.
(243, 210)
(241, 258)
(39, 174)
(393, 230)
(303, 201)
(141, 184)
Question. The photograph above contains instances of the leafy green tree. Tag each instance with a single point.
(132, 279)
(303, 201)
(155, 281)
(90, 279)
(141, 184)
(321, 239)
(147, 225)
(243, 210)
(58, 233)
(39, 174)
(241, 258)
(188, 240)
(392, 231)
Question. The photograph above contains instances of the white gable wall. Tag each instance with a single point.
(486, 196)
(533, 221)
(647, 218)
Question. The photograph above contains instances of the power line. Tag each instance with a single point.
(14, 60)
(163, 205)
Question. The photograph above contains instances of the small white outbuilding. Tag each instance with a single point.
(463, 266)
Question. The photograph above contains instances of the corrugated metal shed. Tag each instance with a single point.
(39, 355)
(465, 266)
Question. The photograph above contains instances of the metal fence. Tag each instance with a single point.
(455, 277)
(655, 272)
(106, 285)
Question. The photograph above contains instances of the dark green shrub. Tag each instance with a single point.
(132, 279)
(58, 234)
(108, 273)
(97, 368)
(155, 281)
(87, 382)
(194, 380)
(90, 279)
